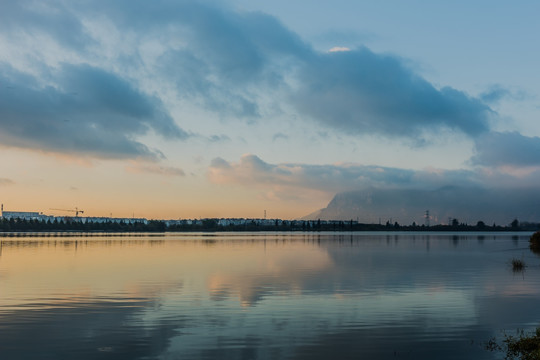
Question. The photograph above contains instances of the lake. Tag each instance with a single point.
(264, 295)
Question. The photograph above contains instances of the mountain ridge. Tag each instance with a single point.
(405, 206)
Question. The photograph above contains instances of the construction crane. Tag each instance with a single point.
(76, 211)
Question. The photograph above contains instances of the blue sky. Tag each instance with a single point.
(191, 108)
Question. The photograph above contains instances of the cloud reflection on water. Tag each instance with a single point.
(262, 296)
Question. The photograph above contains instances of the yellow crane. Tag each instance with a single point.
(76, 211)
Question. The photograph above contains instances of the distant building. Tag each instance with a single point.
(102, 220)
(34, 215)
(24, 215)
(181, 222)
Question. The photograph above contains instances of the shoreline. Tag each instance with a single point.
(91, 233)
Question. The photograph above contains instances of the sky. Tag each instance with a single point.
(186, 109)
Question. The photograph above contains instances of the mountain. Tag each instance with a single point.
(466, 204)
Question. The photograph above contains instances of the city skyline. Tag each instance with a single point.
(192, 109)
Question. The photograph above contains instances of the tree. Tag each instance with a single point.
(514, 224)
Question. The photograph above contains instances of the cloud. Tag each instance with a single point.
(225, 59)
(497, 93)
(294, 180)
(6, 181)
(253, 171)
(362, 92)
(53, 19)
(82, 110)
(155, 169)
(333, 36)
(369, 192)
(339, 48)
(236, 64)
(226, 62)
(355, 91)
(219, 138)
(506, 149)
(279, 135)
(494, 94)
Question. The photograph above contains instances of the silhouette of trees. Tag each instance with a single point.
(71, 224)
(534, 243)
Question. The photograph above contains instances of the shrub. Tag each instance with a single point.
(534, 242)
(523, 346)
(518, 265)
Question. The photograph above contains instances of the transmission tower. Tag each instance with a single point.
(426, 216)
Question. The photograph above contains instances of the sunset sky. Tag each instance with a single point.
(188, 109)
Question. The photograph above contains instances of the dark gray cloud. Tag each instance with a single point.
(354, 91)
(363, 92)
(83, 110)
(54, 19)
(226, 61)
(506, 148)
(227, 58)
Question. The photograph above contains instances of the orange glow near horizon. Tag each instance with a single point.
(105, 188)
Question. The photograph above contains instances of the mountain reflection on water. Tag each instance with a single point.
(263, 295)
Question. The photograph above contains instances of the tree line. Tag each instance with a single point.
(15, 225)
(7, 225)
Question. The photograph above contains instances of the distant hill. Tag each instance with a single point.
(407, 205)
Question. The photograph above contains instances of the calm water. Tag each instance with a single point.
(264, 296)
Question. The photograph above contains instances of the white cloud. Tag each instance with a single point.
(339, 48)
